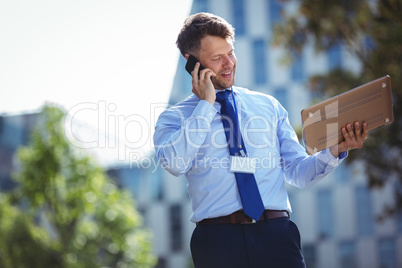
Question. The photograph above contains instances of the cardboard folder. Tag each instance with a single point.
(370, 103)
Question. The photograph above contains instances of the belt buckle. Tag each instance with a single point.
(251, 222)
(243, 218)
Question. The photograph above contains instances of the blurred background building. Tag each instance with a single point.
(337, 217)
(14, 131)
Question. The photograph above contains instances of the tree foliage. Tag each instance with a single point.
(65, 212)
(372, 31)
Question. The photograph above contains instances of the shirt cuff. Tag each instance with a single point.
(326, 157)
(343, 155)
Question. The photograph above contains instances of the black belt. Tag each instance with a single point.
(239, 217)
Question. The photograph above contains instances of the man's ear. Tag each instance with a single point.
(186, 56)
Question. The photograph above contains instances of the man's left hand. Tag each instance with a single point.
(353, 138)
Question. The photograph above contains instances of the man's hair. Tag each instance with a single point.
(199, 25)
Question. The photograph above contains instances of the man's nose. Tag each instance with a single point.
(228, 62)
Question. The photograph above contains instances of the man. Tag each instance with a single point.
(211, 137)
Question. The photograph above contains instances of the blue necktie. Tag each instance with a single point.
(248, 189)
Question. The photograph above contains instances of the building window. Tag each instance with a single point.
(176, 228)
(275, 11)
(157, 192)
(386, 248)
(309, 254)
(342, 174)
(365, 225)
(297, 70)
(335, 57)
(239, 17)
(162, 263)
(281, 95)
(347, 253)
(325, 213)
(260, 64)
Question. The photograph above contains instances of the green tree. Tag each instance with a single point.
(371, 30)
(65, 212)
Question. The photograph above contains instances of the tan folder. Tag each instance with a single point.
(370, 103)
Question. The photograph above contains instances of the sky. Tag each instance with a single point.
(109, 64)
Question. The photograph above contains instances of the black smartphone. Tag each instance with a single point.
(191, 61)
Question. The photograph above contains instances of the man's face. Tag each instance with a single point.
(218, 54)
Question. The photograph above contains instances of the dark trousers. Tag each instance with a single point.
(274, 243)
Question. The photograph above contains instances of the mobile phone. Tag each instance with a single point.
(191, 61)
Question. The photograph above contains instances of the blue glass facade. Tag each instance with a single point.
(259, 61)
(275, 11)
(282, 95)
(387, 253)
(347, 254)
(298, 73)
(310, 255)
(239, 19)
(365, 217)
(325, 214)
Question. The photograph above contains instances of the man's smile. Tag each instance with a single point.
(227, 74)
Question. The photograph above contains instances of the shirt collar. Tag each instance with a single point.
(235, 91)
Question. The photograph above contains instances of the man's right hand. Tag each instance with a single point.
(203, 87)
